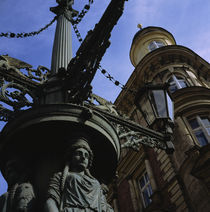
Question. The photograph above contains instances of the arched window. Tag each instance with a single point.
(176, 82)
(201, 129)
(155, 44)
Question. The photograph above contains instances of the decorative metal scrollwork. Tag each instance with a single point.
(22, 70)
(103, 104)
(131, 134)
(15, 94)
(40, 74)
(5, 114)
(18, 85)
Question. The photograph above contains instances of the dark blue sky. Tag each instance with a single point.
(187, 20)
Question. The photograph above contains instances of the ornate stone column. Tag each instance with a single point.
(52, 90)
(62, 47)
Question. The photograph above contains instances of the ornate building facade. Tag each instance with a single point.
(150, 179)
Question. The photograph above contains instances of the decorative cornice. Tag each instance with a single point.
(191, 100)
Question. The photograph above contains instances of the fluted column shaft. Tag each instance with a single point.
(62, 47)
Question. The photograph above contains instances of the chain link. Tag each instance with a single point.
(109, 77)
(116, 82)
(83, 12)
(77, 33)
(79, 19)
(74, 24)
(24, 35)
(103, 71)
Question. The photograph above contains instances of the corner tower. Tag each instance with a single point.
(181, 179)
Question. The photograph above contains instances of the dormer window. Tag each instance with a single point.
(176, 82)
(155, 44)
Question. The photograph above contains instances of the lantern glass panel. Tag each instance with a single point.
(159, 101)
(170, 107)
(147, 109)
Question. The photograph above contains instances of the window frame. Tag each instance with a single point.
(201, 127)
(177, 82)
(146, 187)
(156, 44)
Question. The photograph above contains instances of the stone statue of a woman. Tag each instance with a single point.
(20, 196)
(76, 190)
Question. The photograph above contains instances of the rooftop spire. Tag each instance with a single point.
(140, 26)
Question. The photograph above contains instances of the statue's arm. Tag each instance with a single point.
(53, 194)
(51, 206)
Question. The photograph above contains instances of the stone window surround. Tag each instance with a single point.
(183, 71)
(178, 81)
(145, 188)
(156, 44)
(201, 127)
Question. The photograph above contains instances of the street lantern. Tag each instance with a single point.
(156, 106)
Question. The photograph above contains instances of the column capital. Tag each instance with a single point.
(65, 7)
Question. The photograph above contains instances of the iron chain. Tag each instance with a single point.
(24, 35)
(79, 19)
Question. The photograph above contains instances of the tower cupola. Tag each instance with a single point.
(147, 40)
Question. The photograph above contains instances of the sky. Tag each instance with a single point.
(187, 20)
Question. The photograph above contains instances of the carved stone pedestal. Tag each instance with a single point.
(38, 139)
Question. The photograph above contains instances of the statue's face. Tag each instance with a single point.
(80, 159)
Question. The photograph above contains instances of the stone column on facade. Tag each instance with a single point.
(184, 142)
(133, 195)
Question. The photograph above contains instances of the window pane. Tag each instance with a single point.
(146, 177)
(146, 196)
(183, 84)
(194, 124)
(147, 109)
(173, 88)
(159, 44)
(150, 190)
(201, 138)
(205, 121)
(146, 189)
(152, 46)
(170, 107)
(155, 44)
(177, 82)
(142, 182)
(160, 102)
(208, 130)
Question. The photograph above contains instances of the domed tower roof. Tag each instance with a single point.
(148, 39)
